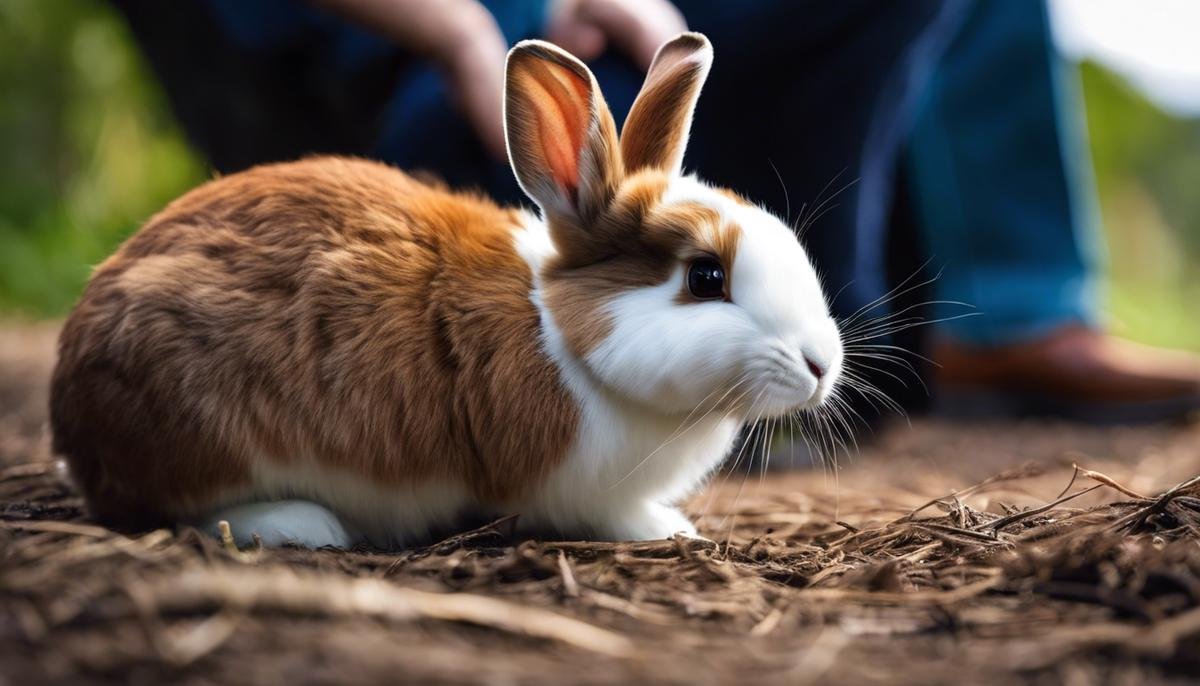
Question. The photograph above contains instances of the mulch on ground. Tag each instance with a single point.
(967, 554)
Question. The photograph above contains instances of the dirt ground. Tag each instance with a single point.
(937, 554)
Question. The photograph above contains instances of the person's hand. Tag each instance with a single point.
(462, 38)
(586, 28)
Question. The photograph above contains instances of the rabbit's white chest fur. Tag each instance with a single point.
(626, 471)
(629, 464)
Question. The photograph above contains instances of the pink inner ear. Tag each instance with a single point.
(562, 157)
(563, 106)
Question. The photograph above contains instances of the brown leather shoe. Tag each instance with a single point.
(1075, 372)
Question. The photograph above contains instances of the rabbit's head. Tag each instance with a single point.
(668, 292)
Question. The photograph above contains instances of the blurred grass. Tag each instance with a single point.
(91, 151)
(89, 148)
(1147, 165)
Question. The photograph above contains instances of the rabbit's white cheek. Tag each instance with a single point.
(661, 353)
(798, 353)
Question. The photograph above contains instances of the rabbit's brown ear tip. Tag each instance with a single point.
(544, 51)
(527, 47)
(692, 40)
(531, 44)
(690, 46)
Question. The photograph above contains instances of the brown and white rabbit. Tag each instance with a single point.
(329, 351)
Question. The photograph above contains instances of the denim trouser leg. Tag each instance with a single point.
(998, 171)
(806, 110)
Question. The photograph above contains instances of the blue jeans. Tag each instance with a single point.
(1000, 177)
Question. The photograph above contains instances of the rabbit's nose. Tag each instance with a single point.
(814, 368)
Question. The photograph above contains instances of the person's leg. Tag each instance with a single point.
(998, 170)
(805, 111)
(1001, 182)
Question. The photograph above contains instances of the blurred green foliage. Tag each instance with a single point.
(90, 151)
(1147, 165)
(89, 148)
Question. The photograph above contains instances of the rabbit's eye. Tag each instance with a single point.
(706, 279)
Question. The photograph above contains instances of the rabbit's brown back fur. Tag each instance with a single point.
(331, 309)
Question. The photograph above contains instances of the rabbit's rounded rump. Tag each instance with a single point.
(329, 351)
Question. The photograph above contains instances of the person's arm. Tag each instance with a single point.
(460, 36)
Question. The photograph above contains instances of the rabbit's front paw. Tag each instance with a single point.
(646, 521)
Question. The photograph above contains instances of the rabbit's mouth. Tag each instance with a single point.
(786, 392)
(788, 382)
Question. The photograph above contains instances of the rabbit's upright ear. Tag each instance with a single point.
(656, 131)
(562, 142)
